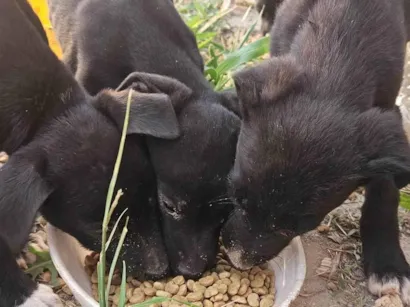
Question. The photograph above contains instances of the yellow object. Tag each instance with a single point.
(41, 9)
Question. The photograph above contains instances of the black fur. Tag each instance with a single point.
(63, 144)
(319, 119)
(106, 41)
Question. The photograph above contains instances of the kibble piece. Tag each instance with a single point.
(180, 298)
(171, 288)
(195, 297)
(223, 275)
(265, 302)
(219, 304)
(197, 304)
(225, 298)
(235, 277)
(183, 290)
(179, 280)
(135, 283)
(234, 288)
(147, 284)
(94, 278)
(211, 291)
(137, 297)
(243, 289)
(207, 281)
(222, 288)
(219, 297)
(258, 282)
(159, 285)
(270, 297)
(165, 304)
(162, 293)
(198, 288)
(208, 303)
(129, 293)
(255, 270)
(190, 285)
(239, 299)
(253, 300)
(150, 291)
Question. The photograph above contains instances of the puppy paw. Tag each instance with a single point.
(43, 296)
(390, 285)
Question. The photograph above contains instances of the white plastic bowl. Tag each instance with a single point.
(68, 257)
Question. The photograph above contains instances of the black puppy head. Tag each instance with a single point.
(79, 150)
(191, 173)
(299, 156)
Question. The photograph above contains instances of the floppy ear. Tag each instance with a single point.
(22, 193)
(152, 83)
(267, 83)
(386, 148)
(150, 114)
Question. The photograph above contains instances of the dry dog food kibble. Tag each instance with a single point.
(222, 286)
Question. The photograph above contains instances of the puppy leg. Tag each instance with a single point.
(22, 192)
(384, 261)
(17, 289)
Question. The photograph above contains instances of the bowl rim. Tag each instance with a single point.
(78, 291)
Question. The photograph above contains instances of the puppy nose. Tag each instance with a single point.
(189, 271)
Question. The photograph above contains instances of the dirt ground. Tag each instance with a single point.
(333, 253)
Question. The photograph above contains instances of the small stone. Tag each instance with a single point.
(253, 300)
(179, 280)
(331, 286)
(207, 281)
(323, 228)
(195, 297)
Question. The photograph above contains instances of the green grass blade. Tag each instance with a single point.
(123, 297)
(114, 229)
(244, 55)
(102, 262)
(214, 20)
(155, 300)
(405, 200)
(116, 255)
(101, 287)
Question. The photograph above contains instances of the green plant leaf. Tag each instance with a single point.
(405, 200)
(43, 263)
(244, 55)
(123, 288)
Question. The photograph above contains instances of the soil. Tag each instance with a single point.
(334, 275)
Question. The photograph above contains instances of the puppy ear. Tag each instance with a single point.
(267, 83)
(150, 114)
(153, 83)
(22, 193)
(385, 145)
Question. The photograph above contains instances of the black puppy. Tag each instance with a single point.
(63, 145)
(319, 120)
(103, 42)
(269, 8)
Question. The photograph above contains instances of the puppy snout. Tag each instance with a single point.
(190, 271)
(157, 266)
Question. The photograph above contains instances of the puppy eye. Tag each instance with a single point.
(169, 206)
